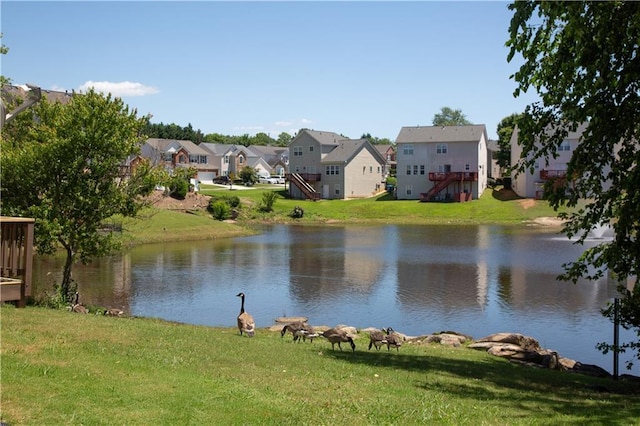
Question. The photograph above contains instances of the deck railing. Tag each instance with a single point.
(16, 259)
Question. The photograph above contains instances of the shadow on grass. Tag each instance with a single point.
(564, 393)
(505, 195)
(387, 196)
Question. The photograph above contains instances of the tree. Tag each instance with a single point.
(375, 140)
(3, 51)
(284, 139)
(583, 60)
(450, 117)
(248, 175)
(65, 169)
(505, 130)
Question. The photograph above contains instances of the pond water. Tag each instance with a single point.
(475, 280)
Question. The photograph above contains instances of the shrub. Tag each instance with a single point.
(220, 210)
(179, 188)
(297, 212)
(232, 201)
(268, 200)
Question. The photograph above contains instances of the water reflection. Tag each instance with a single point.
(476, 280)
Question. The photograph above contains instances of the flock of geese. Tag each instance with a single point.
(79, 308)
(301, 331)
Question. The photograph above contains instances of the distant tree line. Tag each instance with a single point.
(174, 131)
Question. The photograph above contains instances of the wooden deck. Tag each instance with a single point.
(16, 259)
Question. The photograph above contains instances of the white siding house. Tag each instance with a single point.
(441, 163)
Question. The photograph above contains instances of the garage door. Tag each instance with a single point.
(206, 177)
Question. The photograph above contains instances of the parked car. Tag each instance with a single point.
(222, 180)
(268, 179)
(279, 179)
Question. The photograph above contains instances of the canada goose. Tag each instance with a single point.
(298, 329)
(77, 307)
(393, 339)
(377, 338)
(113, 312)
(334, 336)
(245, 320)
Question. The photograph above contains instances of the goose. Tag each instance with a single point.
(298, 329)
(77, 307)
(393, 339)
(334, 336)
(377, 338)
(245, 320)
(113, 312)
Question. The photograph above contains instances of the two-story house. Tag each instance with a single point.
(330, 166)
(530, 184)
(172, 154)
(441, 163)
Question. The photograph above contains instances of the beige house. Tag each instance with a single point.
(172, 154)
(441, 163)
(531, 183)
(330, 166)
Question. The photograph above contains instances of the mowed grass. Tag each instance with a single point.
(63, 368)
(493, 207)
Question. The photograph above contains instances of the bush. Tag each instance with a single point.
(297, 212)
(268, 200)
(220, 210)
(232, 201)
(179, 188)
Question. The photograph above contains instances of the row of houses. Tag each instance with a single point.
(431, 163)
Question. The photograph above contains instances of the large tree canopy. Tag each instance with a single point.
(65, 169)
(450, 117)
(582, 59)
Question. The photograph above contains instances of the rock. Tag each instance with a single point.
(523, 341)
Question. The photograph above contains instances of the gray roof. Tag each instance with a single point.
(349, 148)
(325, 138)
(417, 134)
(9, 93)
(163, 145)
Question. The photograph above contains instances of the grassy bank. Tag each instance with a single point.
(494, 207)
(63, 368)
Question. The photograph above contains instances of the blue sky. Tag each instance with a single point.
(248, 67)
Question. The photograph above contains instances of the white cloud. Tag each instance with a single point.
(283, 123)
(57, 88)
(123, 88)
(306, 121)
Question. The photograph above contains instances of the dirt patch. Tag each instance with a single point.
(527, 203)
(193, 201)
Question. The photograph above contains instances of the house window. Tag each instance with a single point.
(311, 149)
(565, 146)
(226, 159)
(182, 159)
(408, 170)
(422, 169)
(415, 169)
(241, 159)
(297, 151)
(408, 189)
(337, 189)
(332, 170)
(407, 149)
(297, 169)
(466, 167)
(370, 169)
(378, 169)
(441, 148)
(198, 159)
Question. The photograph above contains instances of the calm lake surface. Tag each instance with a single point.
(475, 280)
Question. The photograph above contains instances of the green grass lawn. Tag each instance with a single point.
(495, 206)
(63, 368)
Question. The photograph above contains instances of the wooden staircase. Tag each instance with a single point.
(304, 186)
(439, 186)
